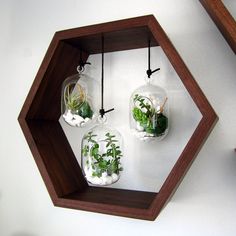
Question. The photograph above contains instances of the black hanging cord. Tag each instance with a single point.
(102, 110)
(82, 63)
(149, 71)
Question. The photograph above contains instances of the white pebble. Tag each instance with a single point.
(78, 119)
(75, 120)
(88, 171)
(87, 119)
(104, 174)
(143, 136)
(69, 115)
(96, 180)
(115, 177)
(69, 121)
(103, 180)
(139, 127)
(108, 180)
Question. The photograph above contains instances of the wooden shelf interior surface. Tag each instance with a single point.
(119, 40)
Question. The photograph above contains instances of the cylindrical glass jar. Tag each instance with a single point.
(101, 154)
(77, 106)
(149, 112)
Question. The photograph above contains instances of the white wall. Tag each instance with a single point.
(146, 164)
(204, 203)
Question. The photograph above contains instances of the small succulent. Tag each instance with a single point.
(108, 161)
(153, 122)
(85, 110)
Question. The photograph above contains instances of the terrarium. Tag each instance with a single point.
(101, 154)
(77, 105)
(149, 112)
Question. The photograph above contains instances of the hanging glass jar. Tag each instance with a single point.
(77, 106)
(101, 154)
(149, 112)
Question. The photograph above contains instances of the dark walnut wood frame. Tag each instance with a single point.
(49, 145)
(223, 20)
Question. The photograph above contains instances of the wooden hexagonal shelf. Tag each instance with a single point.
(223, 20)
(49, 145)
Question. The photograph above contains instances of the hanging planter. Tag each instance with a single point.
(101, 155)
(101, 148)
(77, 107)
(149, 110)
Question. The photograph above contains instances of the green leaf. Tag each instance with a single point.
(103, 164)
(85, 150)
(161, 124)
(152, 122)
(94, 151)
(72, 101)
(85, 110)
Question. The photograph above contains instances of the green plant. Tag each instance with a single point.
(85, 110)
(72, 101)
(108, 161)
(152, 121)
(76, 102)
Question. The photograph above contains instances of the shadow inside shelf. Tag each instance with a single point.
(111, 196)
(131, 38)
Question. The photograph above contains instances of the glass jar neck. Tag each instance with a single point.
(102, 120)
(148, 81)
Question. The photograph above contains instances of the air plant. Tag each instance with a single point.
(76, 101)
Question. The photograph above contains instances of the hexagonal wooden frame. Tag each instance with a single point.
(223, 20)
(49, 145)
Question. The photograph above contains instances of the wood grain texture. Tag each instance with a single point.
(119, 197)
(115, 41)
(47, 141)
(201, 132)
(119, 202)
(223, 20)
(56, 157)
(46, 104)
(118, 35)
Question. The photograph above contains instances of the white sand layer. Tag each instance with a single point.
(75, 120)
(105, 179)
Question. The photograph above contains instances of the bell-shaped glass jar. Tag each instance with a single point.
(101, 153)
(77, 105)
(149, 112)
